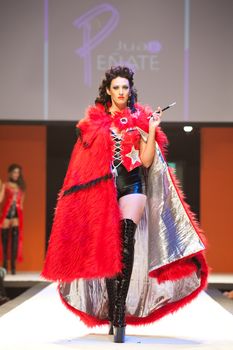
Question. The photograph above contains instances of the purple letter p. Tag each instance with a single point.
(90, 43)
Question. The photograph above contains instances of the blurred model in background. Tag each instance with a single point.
(11, 217)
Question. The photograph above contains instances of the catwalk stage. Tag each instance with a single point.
(39, 321)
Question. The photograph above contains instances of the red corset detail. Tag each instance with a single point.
(130, 143)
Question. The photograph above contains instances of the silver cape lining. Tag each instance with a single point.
(164, 235)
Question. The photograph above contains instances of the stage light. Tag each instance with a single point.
(188, 128)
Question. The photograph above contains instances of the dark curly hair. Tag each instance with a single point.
(20, 182)
(112, 73)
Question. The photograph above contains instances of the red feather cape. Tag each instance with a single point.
(87, 221)
(85, 238)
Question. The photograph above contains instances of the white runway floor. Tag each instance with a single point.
(43, 323)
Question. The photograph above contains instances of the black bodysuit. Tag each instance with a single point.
(12, 212)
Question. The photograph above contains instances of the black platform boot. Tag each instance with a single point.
(111, 285)
(14, 247)
(5, 237)
(123, 279)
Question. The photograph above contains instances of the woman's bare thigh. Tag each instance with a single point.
(6, 223)
(15, 222)
(132, 206)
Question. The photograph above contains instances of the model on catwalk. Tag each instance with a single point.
(124, 247)
(11, 202)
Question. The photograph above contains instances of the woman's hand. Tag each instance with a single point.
(155, 118)
(147, 149)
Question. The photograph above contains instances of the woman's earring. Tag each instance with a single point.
(129, 101)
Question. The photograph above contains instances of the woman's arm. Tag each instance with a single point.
(147, 149)
(2, 191)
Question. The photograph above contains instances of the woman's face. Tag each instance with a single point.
(119, 91)
(14, 175)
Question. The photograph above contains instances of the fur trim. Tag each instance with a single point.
(179, 269)
(81, 233)
(174, 306)
(88, 320)
(81, 229)
(160, 312)
(144, 112)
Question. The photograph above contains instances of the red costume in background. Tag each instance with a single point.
(10, 194)
(85, 244)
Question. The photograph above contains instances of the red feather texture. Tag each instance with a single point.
(81, 229)
(87, 222)
(142, 121)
